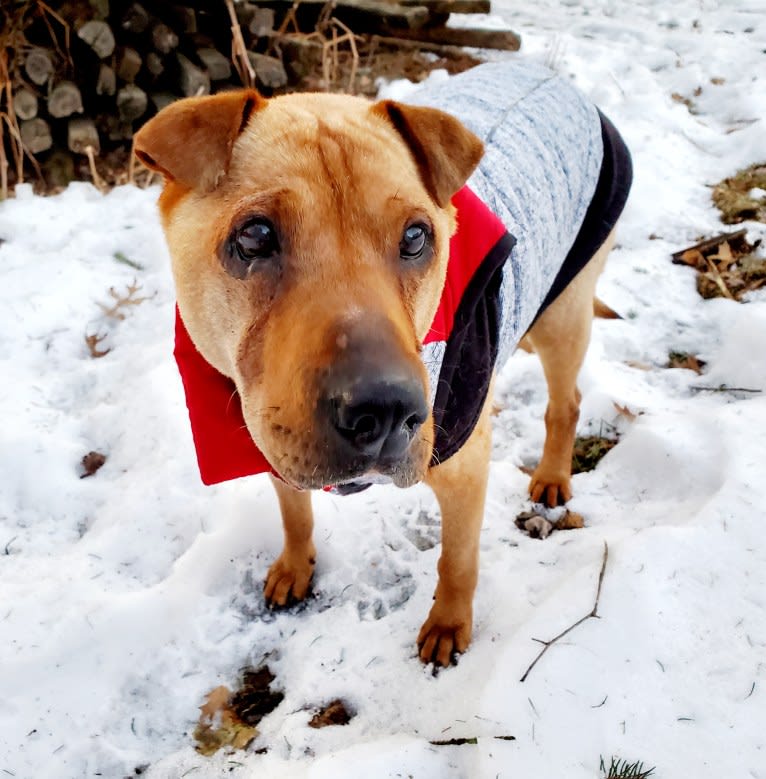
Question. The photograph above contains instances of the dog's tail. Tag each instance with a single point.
(602, 311)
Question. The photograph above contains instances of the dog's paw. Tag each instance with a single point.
(288, 580)
(550, 487)
(440, 641)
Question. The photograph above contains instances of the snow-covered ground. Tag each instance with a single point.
(127, 596)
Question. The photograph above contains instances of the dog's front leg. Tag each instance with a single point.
(460, 485)
(289, 576)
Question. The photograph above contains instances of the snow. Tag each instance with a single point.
(127, 596)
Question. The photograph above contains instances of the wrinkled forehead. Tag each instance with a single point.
(329, 142)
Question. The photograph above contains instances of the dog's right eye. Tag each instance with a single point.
(256, 240)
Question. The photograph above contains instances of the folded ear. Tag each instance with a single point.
(445, 151)
(190, 141)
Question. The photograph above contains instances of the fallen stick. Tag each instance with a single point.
(442, 49)
(592, 613)
(708, 243)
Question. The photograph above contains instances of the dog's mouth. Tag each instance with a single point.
(349, 479)
(361, 483)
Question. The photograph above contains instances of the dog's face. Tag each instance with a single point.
(309, 236)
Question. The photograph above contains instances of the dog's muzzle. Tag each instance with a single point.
(371, 405)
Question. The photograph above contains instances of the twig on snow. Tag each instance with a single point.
(592, 613)
(725, 388)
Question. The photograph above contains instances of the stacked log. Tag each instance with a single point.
(85, 76)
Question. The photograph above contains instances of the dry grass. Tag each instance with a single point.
(13, 48)
(735, 199)
(588, 451)
(727, 265)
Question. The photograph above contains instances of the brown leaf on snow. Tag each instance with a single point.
(726, 265)
(335, 713)
(255, 699)
(219, 726)
(685, 360)
(122, 301)
(90, 463)
(93, 340)
(738, 197)
(217, 700)
(724, 256)
(570, 521)
(691, 257)
(624, 411)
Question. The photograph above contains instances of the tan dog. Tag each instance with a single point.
(309, 236)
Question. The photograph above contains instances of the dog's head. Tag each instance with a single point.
(310, 236)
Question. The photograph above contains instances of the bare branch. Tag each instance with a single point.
(593, 613)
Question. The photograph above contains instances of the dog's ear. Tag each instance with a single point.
(445, 151)
(190, 141)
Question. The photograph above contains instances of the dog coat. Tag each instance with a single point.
(550, 187)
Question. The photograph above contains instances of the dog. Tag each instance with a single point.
(351, 274)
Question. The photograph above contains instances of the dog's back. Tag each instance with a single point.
(544, 149)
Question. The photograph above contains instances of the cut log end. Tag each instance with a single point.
(36, 135)
(65, 99)
(25, 104)
(39, 66)
(82, 133)
(99, 36)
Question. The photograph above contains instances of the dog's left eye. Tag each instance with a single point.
(415, 240)
(256, 240)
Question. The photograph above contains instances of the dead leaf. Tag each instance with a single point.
(255, 699)
(570, 521)
(93, 340)
(687, 361)
(624, 411)
(692, 257)
(217, 700)
(735, 199)
(335, 713)
(90, 463)
(723, 265)
(121, 301)
(219, 726)
(723, 257)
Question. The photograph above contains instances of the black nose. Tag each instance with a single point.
(379, 418)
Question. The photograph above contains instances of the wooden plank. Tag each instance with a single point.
(443, 50)
(459, 36)
(706, 244)
(361, 15)
(450, 6)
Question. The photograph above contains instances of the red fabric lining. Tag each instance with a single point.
(478, 230)
(224, 447)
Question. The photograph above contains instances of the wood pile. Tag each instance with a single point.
(77, 78)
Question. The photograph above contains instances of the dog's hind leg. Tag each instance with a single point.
(460, 485)
(289, 576)
(560, 337)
